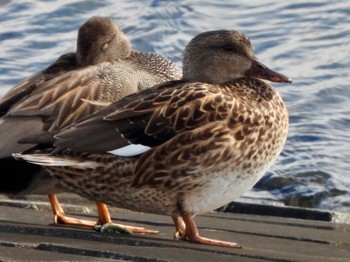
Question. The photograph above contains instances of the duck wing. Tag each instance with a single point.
(20, 92)
(150, 117)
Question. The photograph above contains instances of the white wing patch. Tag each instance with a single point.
(130, 150)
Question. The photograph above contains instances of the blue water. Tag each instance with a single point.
(307, 40)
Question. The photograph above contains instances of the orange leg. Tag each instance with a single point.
(180, 227)
(104, 218)
(192, 235)
(60, 218)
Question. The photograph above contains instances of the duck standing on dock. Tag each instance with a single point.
(103, 69)
(210, 137)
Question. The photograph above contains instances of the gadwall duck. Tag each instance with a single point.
(210, 137)
(103, 69)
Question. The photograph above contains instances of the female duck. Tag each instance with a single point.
(211, 137)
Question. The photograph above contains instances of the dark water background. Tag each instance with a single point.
(307, 40)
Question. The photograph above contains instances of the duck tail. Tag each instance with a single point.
(47, 160)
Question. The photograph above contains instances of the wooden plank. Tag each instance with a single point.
(265, 238)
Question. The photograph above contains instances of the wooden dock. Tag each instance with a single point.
(26, 234)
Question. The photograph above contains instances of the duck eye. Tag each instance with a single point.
(229, 48)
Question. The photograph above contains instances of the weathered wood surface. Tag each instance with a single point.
(26, 234)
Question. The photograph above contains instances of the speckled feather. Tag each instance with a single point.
(103, 69)
(212, 135)
(190, 127)
(70, 89)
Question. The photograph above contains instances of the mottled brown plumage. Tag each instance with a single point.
(103, 69)
(212, 135)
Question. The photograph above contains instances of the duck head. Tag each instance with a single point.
(101, 40)
(224, 55)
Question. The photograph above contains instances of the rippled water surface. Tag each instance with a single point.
(307, 40)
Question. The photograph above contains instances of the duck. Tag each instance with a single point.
(103, 69)
(208, 138)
